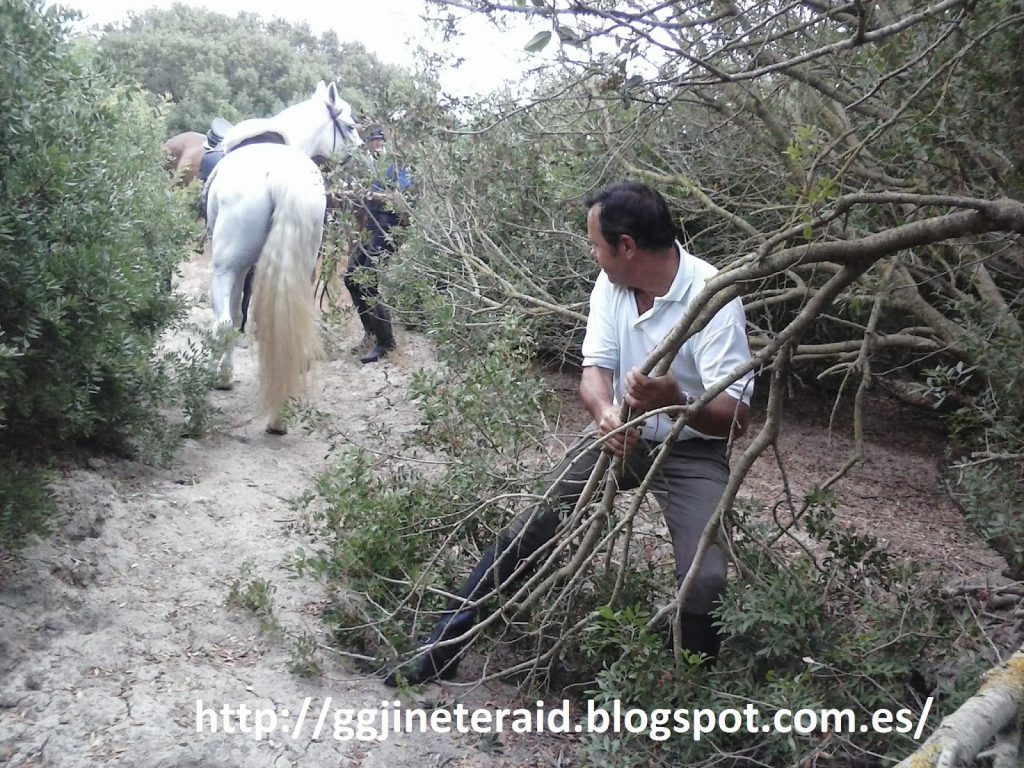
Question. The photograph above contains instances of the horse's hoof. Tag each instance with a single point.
(224, 385)
(273, 429)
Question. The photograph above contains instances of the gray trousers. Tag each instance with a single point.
(688, 486)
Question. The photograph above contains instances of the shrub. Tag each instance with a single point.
(832, 623)
(90, 232)
(986, 454)
(392, 535)
(24, 504)
(840, 625)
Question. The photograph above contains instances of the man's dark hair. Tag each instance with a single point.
(634, 209)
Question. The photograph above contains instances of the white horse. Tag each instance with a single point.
(266, 202)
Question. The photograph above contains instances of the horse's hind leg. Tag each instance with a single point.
(278, 424)
(222, 300)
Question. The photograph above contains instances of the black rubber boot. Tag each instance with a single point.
(364, 343)
(354, 282)
(379, 321)
(366, 321)
(377, 352)
(433, 661)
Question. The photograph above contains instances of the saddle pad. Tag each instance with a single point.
(247, 130)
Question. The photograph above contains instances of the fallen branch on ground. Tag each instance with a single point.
(992, 715)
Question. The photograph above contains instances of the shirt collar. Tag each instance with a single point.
(683, 280)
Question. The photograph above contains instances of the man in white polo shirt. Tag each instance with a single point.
(646, 284)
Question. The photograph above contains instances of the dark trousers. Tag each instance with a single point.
(362, 277)
(688, 487)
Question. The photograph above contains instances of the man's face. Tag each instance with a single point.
(376, 146)
(604, 253)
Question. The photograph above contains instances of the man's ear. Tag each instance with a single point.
(627, 246)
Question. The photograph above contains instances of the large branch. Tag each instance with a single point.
(1003, 215)
(852, 347)
(855, 255)
(996, 306)
(993, 710)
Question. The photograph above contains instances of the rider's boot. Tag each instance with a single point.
(699, 636)
(436, 658)
(380, 325)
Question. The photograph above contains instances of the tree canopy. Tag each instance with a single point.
(208, 64)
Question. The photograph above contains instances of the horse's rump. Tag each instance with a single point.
(184, 154)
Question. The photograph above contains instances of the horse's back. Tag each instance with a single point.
(246, 131)
(249, 171)
(176, 145)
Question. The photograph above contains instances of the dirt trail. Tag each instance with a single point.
(113, 629)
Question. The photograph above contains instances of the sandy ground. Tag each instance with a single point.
(112, 630)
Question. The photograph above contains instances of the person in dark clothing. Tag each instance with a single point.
(378, 216)
(213, 152)
(648, 282)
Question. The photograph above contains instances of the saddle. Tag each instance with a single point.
(222, 137)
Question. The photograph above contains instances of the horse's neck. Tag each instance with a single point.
(300, 125)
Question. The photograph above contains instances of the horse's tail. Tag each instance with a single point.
(287, 332)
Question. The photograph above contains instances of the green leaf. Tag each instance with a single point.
(567, 34)
(538, 41)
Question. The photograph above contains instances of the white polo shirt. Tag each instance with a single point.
(619, 338)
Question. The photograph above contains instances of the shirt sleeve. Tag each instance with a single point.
(722, 347)
(601, 343)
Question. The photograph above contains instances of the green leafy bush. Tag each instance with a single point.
(390, 535)
(986, 461)
(90, 232)
(24, 504)
(840, 625)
